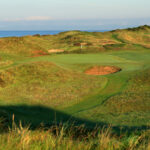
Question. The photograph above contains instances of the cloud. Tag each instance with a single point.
(31, 18)
(38, 18)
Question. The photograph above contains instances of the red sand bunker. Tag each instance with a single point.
(38, 53)
(102, 70)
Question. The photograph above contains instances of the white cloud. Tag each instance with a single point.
(38, 18)
(31, 18)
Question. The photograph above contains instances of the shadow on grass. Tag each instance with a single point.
(40, 116)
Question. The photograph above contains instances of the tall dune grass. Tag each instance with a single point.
(74, 138)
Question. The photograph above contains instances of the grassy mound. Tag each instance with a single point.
(45, 83)
(136, 98)
(129, 107)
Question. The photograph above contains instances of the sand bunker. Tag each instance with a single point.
(55, 51)
(38, 53)
(102, 70)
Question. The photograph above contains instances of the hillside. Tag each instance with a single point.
(133, 39)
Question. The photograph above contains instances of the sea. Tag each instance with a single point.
(25, 33)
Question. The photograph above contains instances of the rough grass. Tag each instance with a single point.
(46, 84)
(136, 97)
(62, 138)
(130, 107)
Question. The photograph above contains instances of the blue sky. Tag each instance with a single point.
(73, 14)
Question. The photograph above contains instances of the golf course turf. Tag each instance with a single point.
(105, 83)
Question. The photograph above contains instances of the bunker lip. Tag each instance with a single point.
(102, 70)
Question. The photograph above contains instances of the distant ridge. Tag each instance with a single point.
(76, 41)
(144, 27)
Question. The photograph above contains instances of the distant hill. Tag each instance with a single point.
(78, 42)
(145, 27)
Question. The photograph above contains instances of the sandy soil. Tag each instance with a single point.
(102, 70)
(55, 51)
(38, 53)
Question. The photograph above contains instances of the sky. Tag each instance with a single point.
(73, 14)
